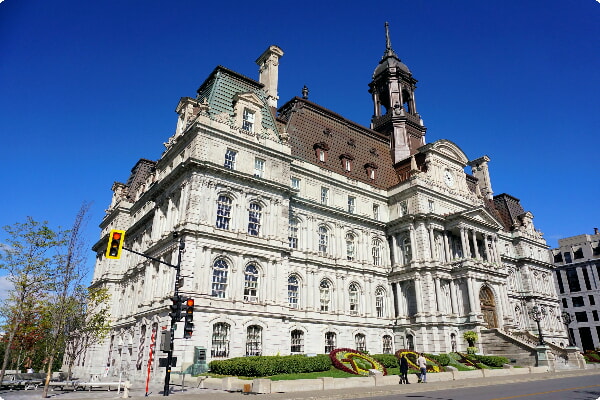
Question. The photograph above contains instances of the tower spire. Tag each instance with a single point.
(389, 52)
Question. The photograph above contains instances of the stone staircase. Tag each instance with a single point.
(498, 343)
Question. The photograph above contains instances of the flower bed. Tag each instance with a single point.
(355, 362)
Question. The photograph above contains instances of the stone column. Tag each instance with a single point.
(431, 242)
(438, 294)
(448, 256)
(395, 249)
(453, 304)
(413, 242)
(465, 243)
(475, 249)
(472, 302)
(419, 293)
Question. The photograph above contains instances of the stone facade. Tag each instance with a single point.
(577, 269)
(305, 231)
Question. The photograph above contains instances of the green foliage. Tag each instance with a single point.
(387, 360)
(470, 336)
(492, 361)
(442, 359)
(471, 350)
(270, 365)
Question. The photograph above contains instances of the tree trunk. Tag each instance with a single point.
(48, 375)
(11, 336)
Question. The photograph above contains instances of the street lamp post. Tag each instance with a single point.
(537, 313)
(566, 318)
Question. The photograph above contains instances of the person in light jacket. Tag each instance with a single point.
(422, 363)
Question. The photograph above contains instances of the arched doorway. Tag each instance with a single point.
(488, 307)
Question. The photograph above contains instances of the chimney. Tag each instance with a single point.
(268, 69)
(595, 231)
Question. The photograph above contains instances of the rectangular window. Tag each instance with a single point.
(561, 287)
(578, 301)
(248, 120)
(573, 280)
(351, 204)
(596, 250)
(592, 300)
(259, 168)
(595, 315)
(431, 206)
(321, 155)
(376, 211)
(347, 165)
(558, 258)
(403, 208)
(564, 303)
(586, 278)
(230, 158)
(581, 316)
(295, 183)
(324, 195)
(568, 257)
(578, 253)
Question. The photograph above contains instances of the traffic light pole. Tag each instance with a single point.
(177, 267)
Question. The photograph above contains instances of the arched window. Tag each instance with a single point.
(254, 216)
(411, 301)
(387, 345)
(223, 212)
(350, 246)
(323, 240)
(379, 298)
(353, 298)
(330, 342)
(293, 233)
(251, 283)
(376, 251)
(297, 341)
(360, 342)
(219, 280)
(293, 291)
(410, 342)
(254, 340)
(325, 294)
(220, 340)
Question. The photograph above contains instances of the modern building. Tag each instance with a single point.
(577, 268)
(305, 231)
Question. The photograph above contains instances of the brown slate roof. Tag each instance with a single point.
(311, 126)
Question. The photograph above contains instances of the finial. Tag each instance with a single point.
(305, 92)
(389, 52)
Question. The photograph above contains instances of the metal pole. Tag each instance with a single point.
(166, 388)
(540, 333)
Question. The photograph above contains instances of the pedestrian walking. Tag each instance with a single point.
(403, 363)
(422, 363)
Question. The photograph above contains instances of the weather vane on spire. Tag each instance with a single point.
(389, 52)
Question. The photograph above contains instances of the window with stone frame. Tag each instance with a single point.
(254, 216)
(321, 150)
(353, 298)
(573, 280)
(297, 341)
(578, 253)
(230, 156)
(259, 167)
(293, 233)
(346, 160)
(223, 212)
(293, 291)
(325, 294)
(248, 120)
(323, 240)
(406, 251)
(360, 341)
(376, 215)
(219, 278)
(295, 183)
(350, 246)
(220, 340)
(387, 347)
(254, 340)
(351, 204)
(379, 302)
(330, 342)
(324, 195)
(371, 170)
(251, 283)
(376, 251)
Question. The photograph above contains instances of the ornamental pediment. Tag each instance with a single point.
(478, 215)
(446, 149)
(249, 97)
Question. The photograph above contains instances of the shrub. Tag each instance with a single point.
(471, 350)
(442, 359)
(387, 360)
(492, 361)
(470, 337)
(270, 365)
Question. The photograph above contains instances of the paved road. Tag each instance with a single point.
(571, 385)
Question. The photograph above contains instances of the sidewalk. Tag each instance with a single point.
(195, 393)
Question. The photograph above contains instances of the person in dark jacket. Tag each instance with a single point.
(403, 363)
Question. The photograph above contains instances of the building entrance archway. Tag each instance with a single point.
(488, 307)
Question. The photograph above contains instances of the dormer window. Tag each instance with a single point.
(321, 150)
(371, 169)
(248, 120)
(347, 162)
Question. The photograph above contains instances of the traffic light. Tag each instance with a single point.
(115, 244)
(188, 310)
(175, 307)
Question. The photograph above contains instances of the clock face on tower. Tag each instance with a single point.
(449, 178)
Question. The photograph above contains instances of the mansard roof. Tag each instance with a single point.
(309, 124)
(223, 85)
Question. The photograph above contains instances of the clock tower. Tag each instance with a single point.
(395, 111)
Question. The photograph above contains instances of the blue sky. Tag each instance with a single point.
(88, 88)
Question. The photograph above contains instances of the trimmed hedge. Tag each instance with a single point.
(258, 366)
(387, 360)
(492, 361)
(442, 359)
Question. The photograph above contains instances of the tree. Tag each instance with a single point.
(89, 325)
(28, 260)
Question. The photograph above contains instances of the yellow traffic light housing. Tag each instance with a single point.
(115, 244)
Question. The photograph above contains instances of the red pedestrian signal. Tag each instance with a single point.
(115, 244)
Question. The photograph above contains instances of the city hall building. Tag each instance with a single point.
(305, 232)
